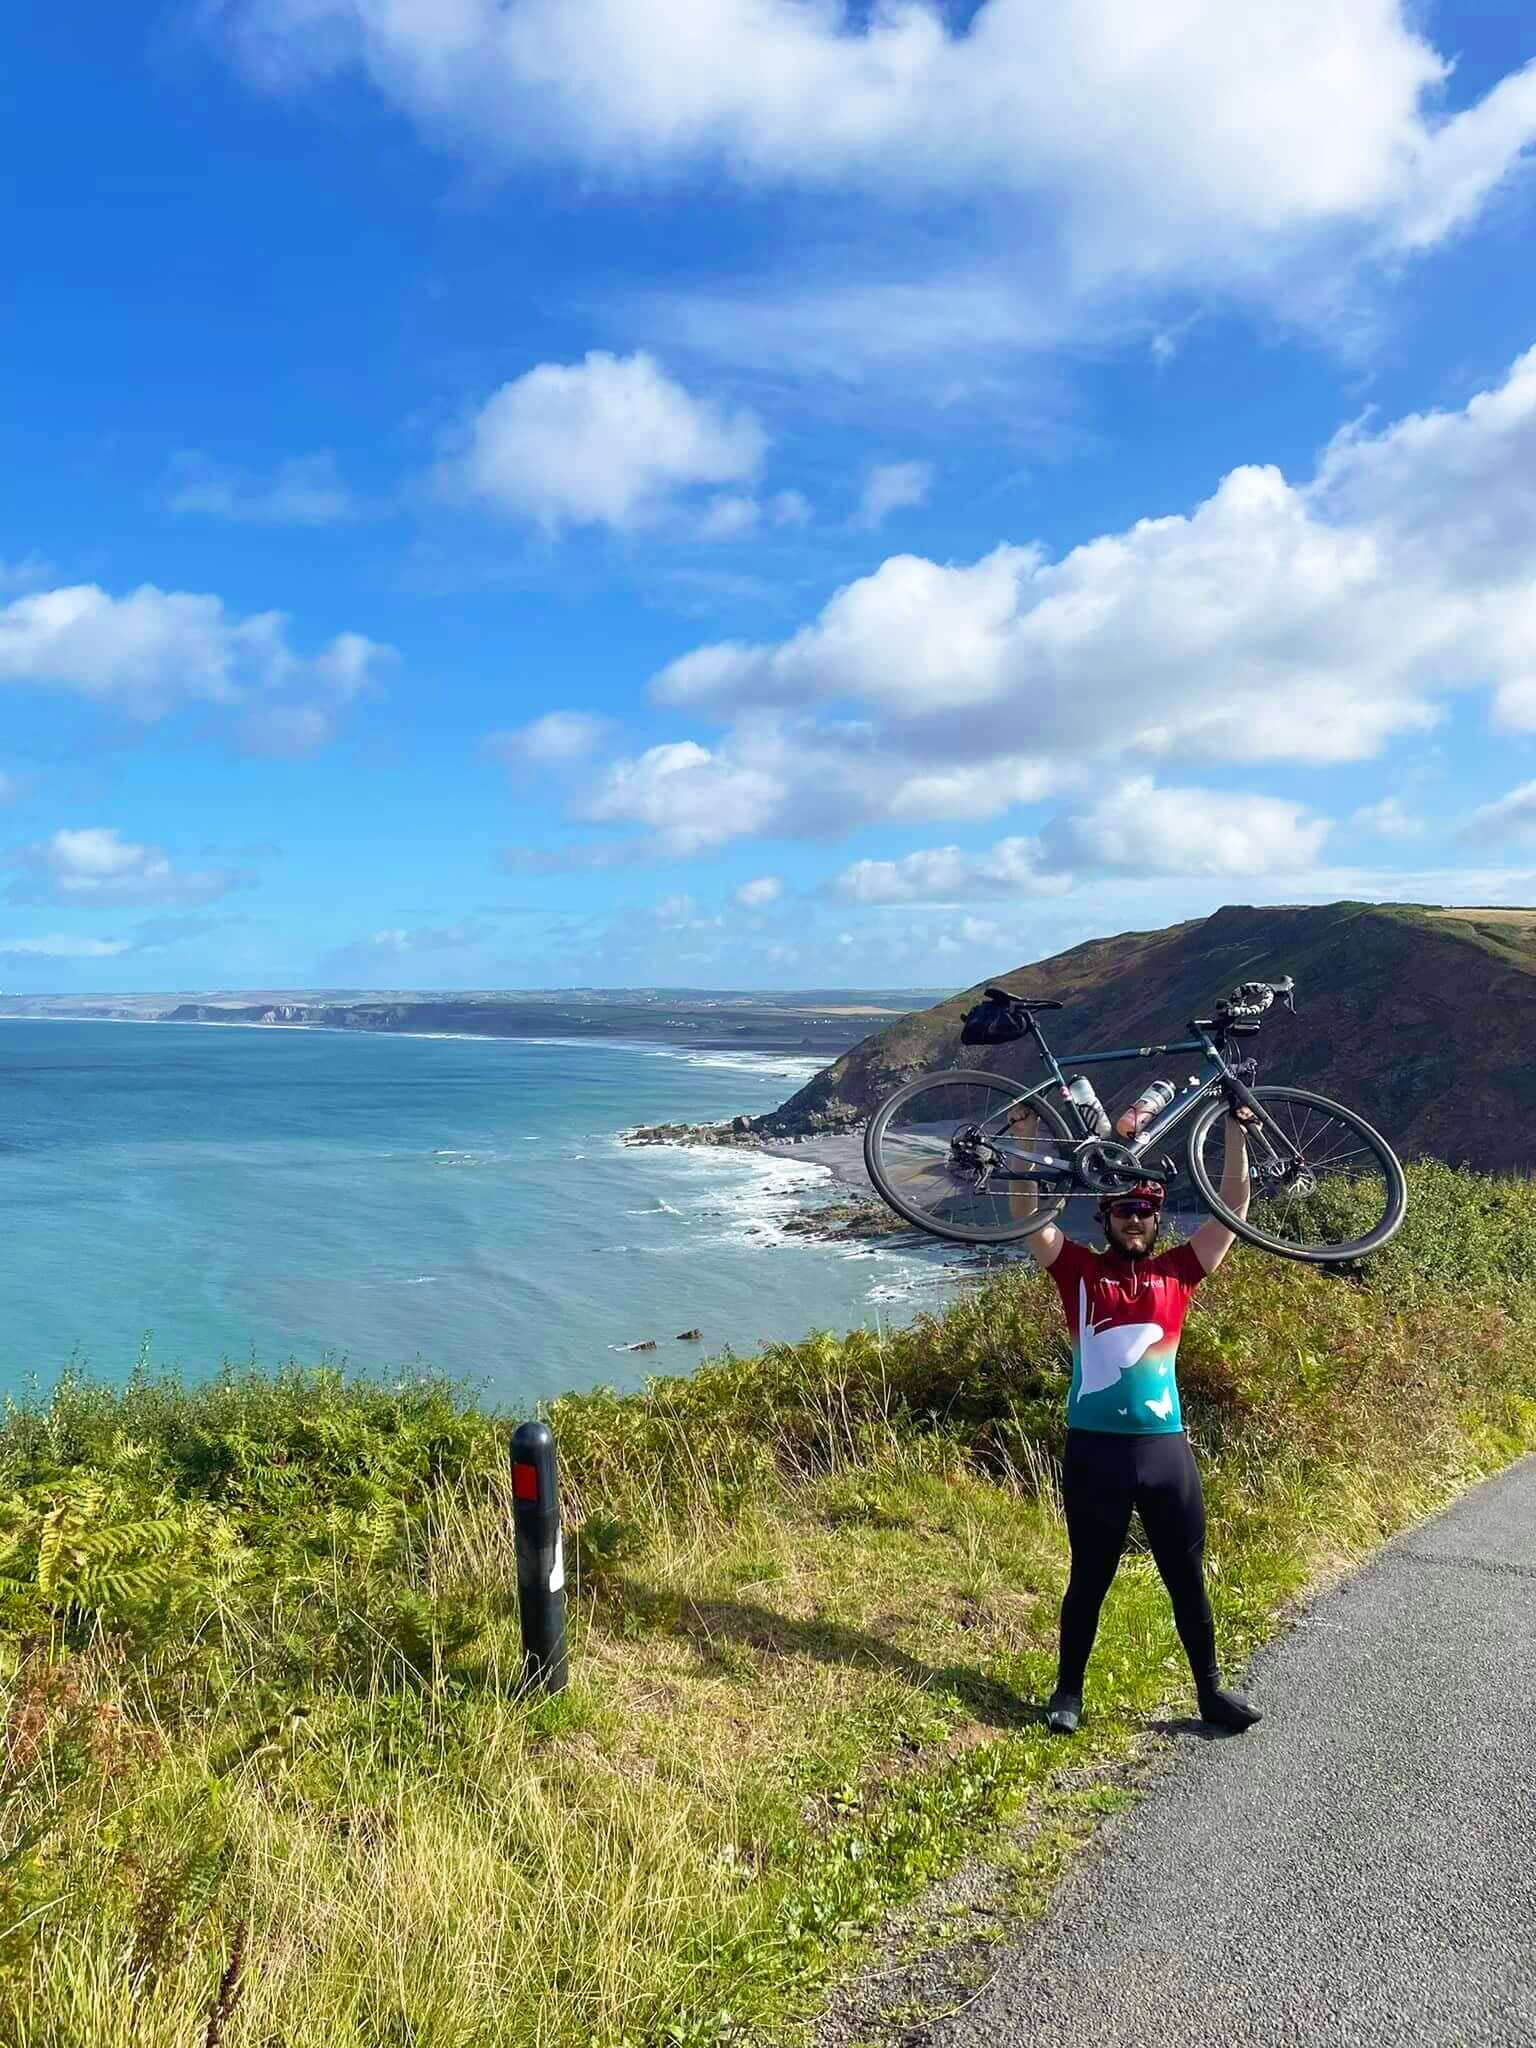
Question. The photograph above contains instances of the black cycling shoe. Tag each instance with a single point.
(1062, 1710)
(1228, 1710)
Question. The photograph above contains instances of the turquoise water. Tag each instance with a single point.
(201, 1193)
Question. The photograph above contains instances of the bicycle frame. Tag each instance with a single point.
(1224, 1080)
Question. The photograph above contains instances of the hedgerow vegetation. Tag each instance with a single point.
(269, 1777)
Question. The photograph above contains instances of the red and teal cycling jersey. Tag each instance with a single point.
(1125, 1317)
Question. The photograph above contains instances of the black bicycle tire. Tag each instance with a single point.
(957, 1233)
(1397, 1207)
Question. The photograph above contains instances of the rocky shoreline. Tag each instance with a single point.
(850, 1222)
(771, 1129)
(739, 1131)
(858, 1216)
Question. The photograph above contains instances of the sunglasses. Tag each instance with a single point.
(1127, 1210)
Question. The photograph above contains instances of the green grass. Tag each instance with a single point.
(269, 1778)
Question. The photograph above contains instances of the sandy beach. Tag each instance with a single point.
(841, 1154)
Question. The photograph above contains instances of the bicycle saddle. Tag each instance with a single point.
(1006, 995)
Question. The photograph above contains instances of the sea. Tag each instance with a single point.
(183, 1196)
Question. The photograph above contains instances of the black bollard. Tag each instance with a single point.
(540, 1556)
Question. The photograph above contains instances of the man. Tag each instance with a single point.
(1126, 1446)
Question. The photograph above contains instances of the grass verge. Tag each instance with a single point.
(268, 1778)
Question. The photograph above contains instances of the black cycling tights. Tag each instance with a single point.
(1103, 1478)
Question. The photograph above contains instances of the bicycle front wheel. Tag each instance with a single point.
(1325, 1186)
(942, 1153)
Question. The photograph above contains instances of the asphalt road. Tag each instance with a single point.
(1360, 1868)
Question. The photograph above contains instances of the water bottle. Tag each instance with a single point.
(1146, 1106)
(1080, 1088)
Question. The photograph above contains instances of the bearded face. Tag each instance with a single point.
(1130, 1228)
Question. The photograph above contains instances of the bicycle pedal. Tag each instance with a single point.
(1158, 1169)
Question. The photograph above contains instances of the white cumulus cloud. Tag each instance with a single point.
(610, 441)
(1139, 828)
(1283, 621)
(151, 652)
(95, 864)
(778, 774)
(1013, 867)
(1202, 143)
(692, 799)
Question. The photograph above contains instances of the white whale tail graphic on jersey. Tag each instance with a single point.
(1111, 1349)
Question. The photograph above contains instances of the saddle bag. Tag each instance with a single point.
(993, 1023)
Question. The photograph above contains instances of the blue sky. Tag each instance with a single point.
(767, 494)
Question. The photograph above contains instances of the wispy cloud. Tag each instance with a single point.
(1388, 819)
(571, 860)
(890, 487)
(759, 893)
(63, 946)
(555, 740)
(307, 490)
(1512, 817)
(26, 573)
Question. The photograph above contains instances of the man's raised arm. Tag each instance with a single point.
(1212, 1241)
(1044, 1244)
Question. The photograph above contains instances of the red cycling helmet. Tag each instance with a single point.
(1144, 1191)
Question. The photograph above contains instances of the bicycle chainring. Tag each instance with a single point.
(1105, 1168)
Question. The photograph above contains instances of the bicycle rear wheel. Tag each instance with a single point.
(940, 1151)
(1326, 1186)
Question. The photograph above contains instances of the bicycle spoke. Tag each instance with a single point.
(946, 1155)
(1332, 1158)
(1321, 1181)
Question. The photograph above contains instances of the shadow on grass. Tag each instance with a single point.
(709, 1625)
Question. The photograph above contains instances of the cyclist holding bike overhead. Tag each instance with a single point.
(1126, 1446)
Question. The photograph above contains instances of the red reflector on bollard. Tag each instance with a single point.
(525, 1482)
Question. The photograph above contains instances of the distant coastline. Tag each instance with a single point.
(818, 1025)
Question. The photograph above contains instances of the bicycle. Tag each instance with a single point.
(945, 1146)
